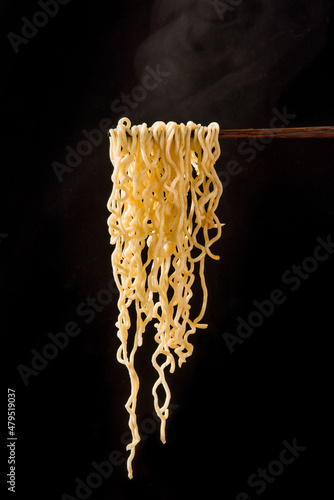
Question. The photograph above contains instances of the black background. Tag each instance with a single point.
(230, 411)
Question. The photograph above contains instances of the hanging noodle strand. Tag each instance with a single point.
(163, 202)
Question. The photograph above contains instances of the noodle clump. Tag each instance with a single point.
(163, 201)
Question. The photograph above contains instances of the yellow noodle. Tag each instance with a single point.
(155, 232)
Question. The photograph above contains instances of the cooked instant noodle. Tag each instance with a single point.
(162, 223)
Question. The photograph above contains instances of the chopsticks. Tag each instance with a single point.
(280, 133)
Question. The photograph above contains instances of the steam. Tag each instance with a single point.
(229, 69)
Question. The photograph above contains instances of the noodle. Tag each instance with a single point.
(165, 193)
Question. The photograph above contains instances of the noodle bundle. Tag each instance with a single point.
(163, 201)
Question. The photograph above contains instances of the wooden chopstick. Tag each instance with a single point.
(280, 133)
